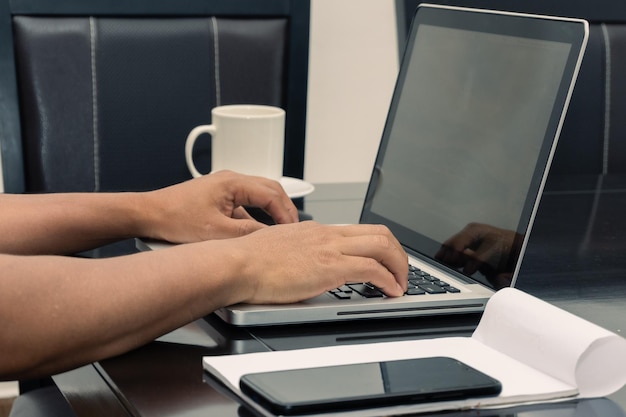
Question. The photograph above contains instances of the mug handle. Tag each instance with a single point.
(191, 140)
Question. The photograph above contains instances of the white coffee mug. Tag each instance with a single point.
(244, 138)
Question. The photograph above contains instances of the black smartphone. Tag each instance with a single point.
(367, 385)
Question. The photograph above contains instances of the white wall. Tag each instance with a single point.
(352, 72)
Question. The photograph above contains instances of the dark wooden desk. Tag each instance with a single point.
(576, 259)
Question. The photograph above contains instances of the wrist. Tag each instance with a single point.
(224, 270)
(145, 214)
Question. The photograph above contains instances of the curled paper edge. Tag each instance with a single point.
(601, 369)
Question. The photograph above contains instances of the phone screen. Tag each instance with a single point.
(367, 385)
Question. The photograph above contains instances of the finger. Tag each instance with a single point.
(368, 230)
(363, 269)
(377, 241)
(379, 253)
(241, 213)
(270, 196)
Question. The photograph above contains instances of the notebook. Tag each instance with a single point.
(473, 123)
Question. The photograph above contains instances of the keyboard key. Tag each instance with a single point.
(415, 291)
(452, 289)
(433, 289)
(342, 295)
(366, 290)
(418, 281)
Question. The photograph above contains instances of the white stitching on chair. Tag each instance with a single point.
(607, 100)
(94, 104)
(216, 52)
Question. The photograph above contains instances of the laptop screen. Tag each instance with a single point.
(470, 133)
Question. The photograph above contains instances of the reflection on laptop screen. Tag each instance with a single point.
(476, 111)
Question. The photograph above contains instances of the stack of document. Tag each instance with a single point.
(536, 350)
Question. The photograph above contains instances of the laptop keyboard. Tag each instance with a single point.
(420, 283)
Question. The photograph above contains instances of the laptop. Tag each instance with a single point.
(472, 127)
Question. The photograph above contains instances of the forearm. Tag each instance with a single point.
(68, 223)
(209, 207)
(57, 313)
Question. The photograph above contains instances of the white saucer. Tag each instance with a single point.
(295, 187)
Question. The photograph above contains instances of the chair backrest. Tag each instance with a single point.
(593, 138)
(100, 96)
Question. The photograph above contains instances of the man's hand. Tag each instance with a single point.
(211, 207)
(288, 263)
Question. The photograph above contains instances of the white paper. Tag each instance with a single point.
(558, 343)
(519, 381)
(538, 352)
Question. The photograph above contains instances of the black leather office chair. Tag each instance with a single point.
(593, 139)
(100, 96)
